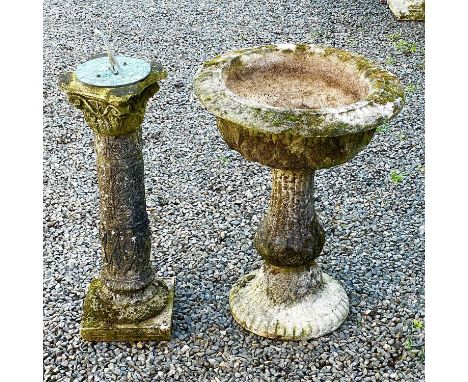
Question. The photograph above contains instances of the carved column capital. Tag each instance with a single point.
(113, 111)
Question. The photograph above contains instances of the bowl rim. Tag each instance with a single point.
(383, 101)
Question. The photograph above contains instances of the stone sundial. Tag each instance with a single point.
(127, 301)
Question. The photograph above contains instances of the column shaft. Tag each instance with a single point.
(124, 229)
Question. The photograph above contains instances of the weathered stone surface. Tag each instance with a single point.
(124, 228)
(295, 108)
(382, 94)
(318, 312)
(299, 137)
(97, 326)
(290, 234)
(112, 110)
(126, 294)
(408, 9)
(288, 151)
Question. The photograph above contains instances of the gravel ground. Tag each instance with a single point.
(205, 201)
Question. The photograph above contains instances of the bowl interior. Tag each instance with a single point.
(296, 79)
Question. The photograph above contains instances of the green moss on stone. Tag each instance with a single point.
(386, 86)
(385, 90)
(302, 47)
(99, 311)
(415, 13)
(216, 60)
(292, 151)
(97, 325)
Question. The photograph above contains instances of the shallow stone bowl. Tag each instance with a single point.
(297, 106)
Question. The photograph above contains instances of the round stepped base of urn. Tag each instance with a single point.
(318, 313)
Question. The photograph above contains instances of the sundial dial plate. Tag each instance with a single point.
(97, 72)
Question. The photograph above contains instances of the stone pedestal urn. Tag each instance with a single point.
(127, 301)
(296, 109)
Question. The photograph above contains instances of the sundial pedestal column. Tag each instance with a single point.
(127, 301)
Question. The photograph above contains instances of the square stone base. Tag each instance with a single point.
(158, 328)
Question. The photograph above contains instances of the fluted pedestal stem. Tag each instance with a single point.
(290, 234)
(290, 237)
(289, 297)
